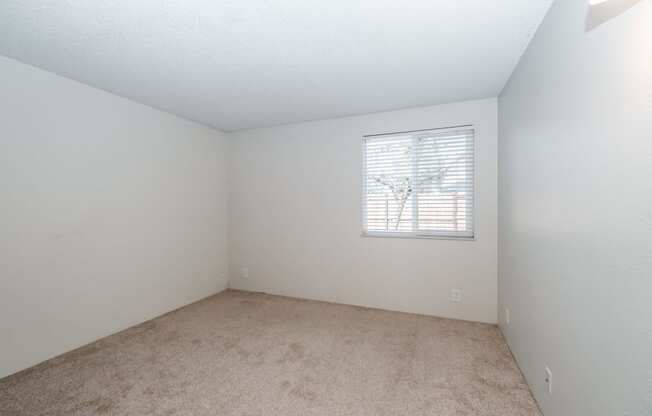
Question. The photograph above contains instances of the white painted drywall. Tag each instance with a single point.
(111, 213)
(575, 159)
(256, 63)
(295, 222)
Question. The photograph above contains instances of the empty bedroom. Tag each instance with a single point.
(321, 208)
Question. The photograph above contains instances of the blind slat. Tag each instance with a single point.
(420, 183)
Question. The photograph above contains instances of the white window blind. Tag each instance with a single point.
(420, 184)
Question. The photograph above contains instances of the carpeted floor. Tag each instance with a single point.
(247, 354)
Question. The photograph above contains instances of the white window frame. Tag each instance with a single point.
(419, 235)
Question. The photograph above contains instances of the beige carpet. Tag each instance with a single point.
(249, 354)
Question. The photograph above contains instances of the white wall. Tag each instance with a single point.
(575, 161)
(111, 213)
(295, 221)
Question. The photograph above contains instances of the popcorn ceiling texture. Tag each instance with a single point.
(239, 353)
(236, 64)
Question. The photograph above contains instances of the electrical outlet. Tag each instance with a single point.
(548, 379)
(456, 295)
(244, 273)
(507, 316)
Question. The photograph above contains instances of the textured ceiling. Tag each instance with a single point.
(242, 64)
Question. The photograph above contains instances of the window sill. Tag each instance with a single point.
(415, 236)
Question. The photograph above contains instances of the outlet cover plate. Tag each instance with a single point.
(549, 379)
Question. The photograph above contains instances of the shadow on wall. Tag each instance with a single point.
(600, 13)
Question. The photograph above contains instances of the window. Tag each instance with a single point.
(420, 184)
